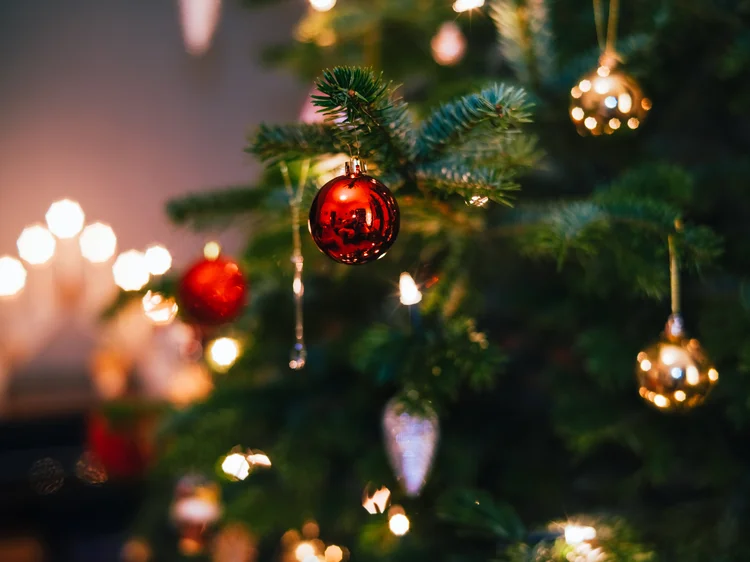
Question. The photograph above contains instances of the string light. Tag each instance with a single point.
(398, 522)
(199, 20)
(12, 276)
(409, 293)
(159, 309)
(466, 5)
(322, 5)
(98, 242)
(130, 271)
(65, 218)
(211, 250)
(236, 466)
(377, 501)
(158, 259)
(304, 550)
(222, 353)
(36, 245)
(258, 459)
(334, 554)
(448, 45)
(576, 534)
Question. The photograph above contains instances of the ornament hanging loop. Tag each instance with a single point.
(674, 324)
(607, 38)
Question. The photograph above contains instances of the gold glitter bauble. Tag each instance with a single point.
(675, 373)
(607, 100)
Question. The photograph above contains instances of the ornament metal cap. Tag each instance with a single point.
(355, 167)
(674, 330)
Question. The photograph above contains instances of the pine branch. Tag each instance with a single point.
(295, 141)
(499, 107)
(525, 37)
(202, 209)
(379, 123)
(468, 181)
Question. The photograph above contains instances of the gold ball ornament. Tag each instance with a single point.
(675, 374)
(607, 100)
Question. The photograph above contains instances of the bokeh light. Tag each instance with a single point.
(322, 5)
(160, 310)
(130, 271)
(375, 500)
(334, 554)
(448, 45)
(46, 476)
(65, 218)
(236, 466)
(258, 458)
(399, 524)
(303, 551)
(466, 5)
(98, 242)
(12, 276)
(199, 20)
(211, 250)
(36, 245)
(575, 534)
(409, 293)
(222, 353)
(158, 259)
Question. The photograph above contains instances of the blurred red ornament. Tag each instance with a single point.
(354, 218)
(213, 291)
(124, 450)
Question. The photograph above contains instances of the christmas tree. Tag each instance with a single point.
(540, 267)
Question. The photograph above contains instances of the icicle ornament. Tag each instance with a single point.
(410, 441)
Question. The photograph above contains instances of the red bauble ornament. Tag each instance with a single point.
(213, 291)
(123, 449)
(354, 219)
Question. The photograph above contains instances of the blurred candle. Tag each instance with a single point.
(199, 20)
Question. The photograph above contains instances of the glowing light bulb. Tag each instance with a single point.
(258, 459)
(576, 534)
(448, 45)
(159, 309)
(322, 5)
(222, 353)
(158, 259)
(199, 20)
(236, 466)
(377, 502)
(466, 5)
(399, 524)
(577, 113)
(590, 122)
(334, 554)
(36, 245)
(98, 242)
(409, 293)
(211, 250)
(12, 276)
(130, 271)
(65, 218)
(303, 551)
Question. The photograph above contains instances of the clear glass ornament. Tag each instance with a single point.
(411, 439)
(675, 373)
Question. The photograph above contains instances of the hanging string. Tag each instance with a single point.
(606, 38)
(298, 355)
(674, 270)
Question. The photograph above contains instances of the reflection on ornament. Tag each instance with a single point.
(409, 293)
(322, 5)
(234, 543)
(448, 45)
(12, 276)
(675, 373)
(398, 522)
(158, 259)
(375, 500)
(36, 245)
(606, 98)
(410, 440)
(98, 242)
(354, 218)
(130, 271)
(222, 353)
(199, 19)
(160, 310)
(466, 5)
(65, 218)
(236, 466)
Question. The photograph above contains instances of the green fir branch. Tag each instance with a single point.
(500, 107)
(273, 143)
(468, 181)
(203, 209)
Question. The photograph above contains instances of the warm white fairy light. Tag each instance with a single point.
(65, 218)
(199, 20)
(448, 45)
(399, 524)
(258, 459)
(377, 502)
(576, 534)
(409, 293)
(334, 554)
(211, 250)
(98, 242)
(159, 309)
(236, 466)
(158, 259)
(130, 271)
(466, 5)
(222, 353)
(12, 276)
(304, 551)
(36, 245)
(322, 5)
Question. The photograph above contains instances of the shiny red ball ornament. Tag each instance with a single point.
(354, 218)
(213, 291)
